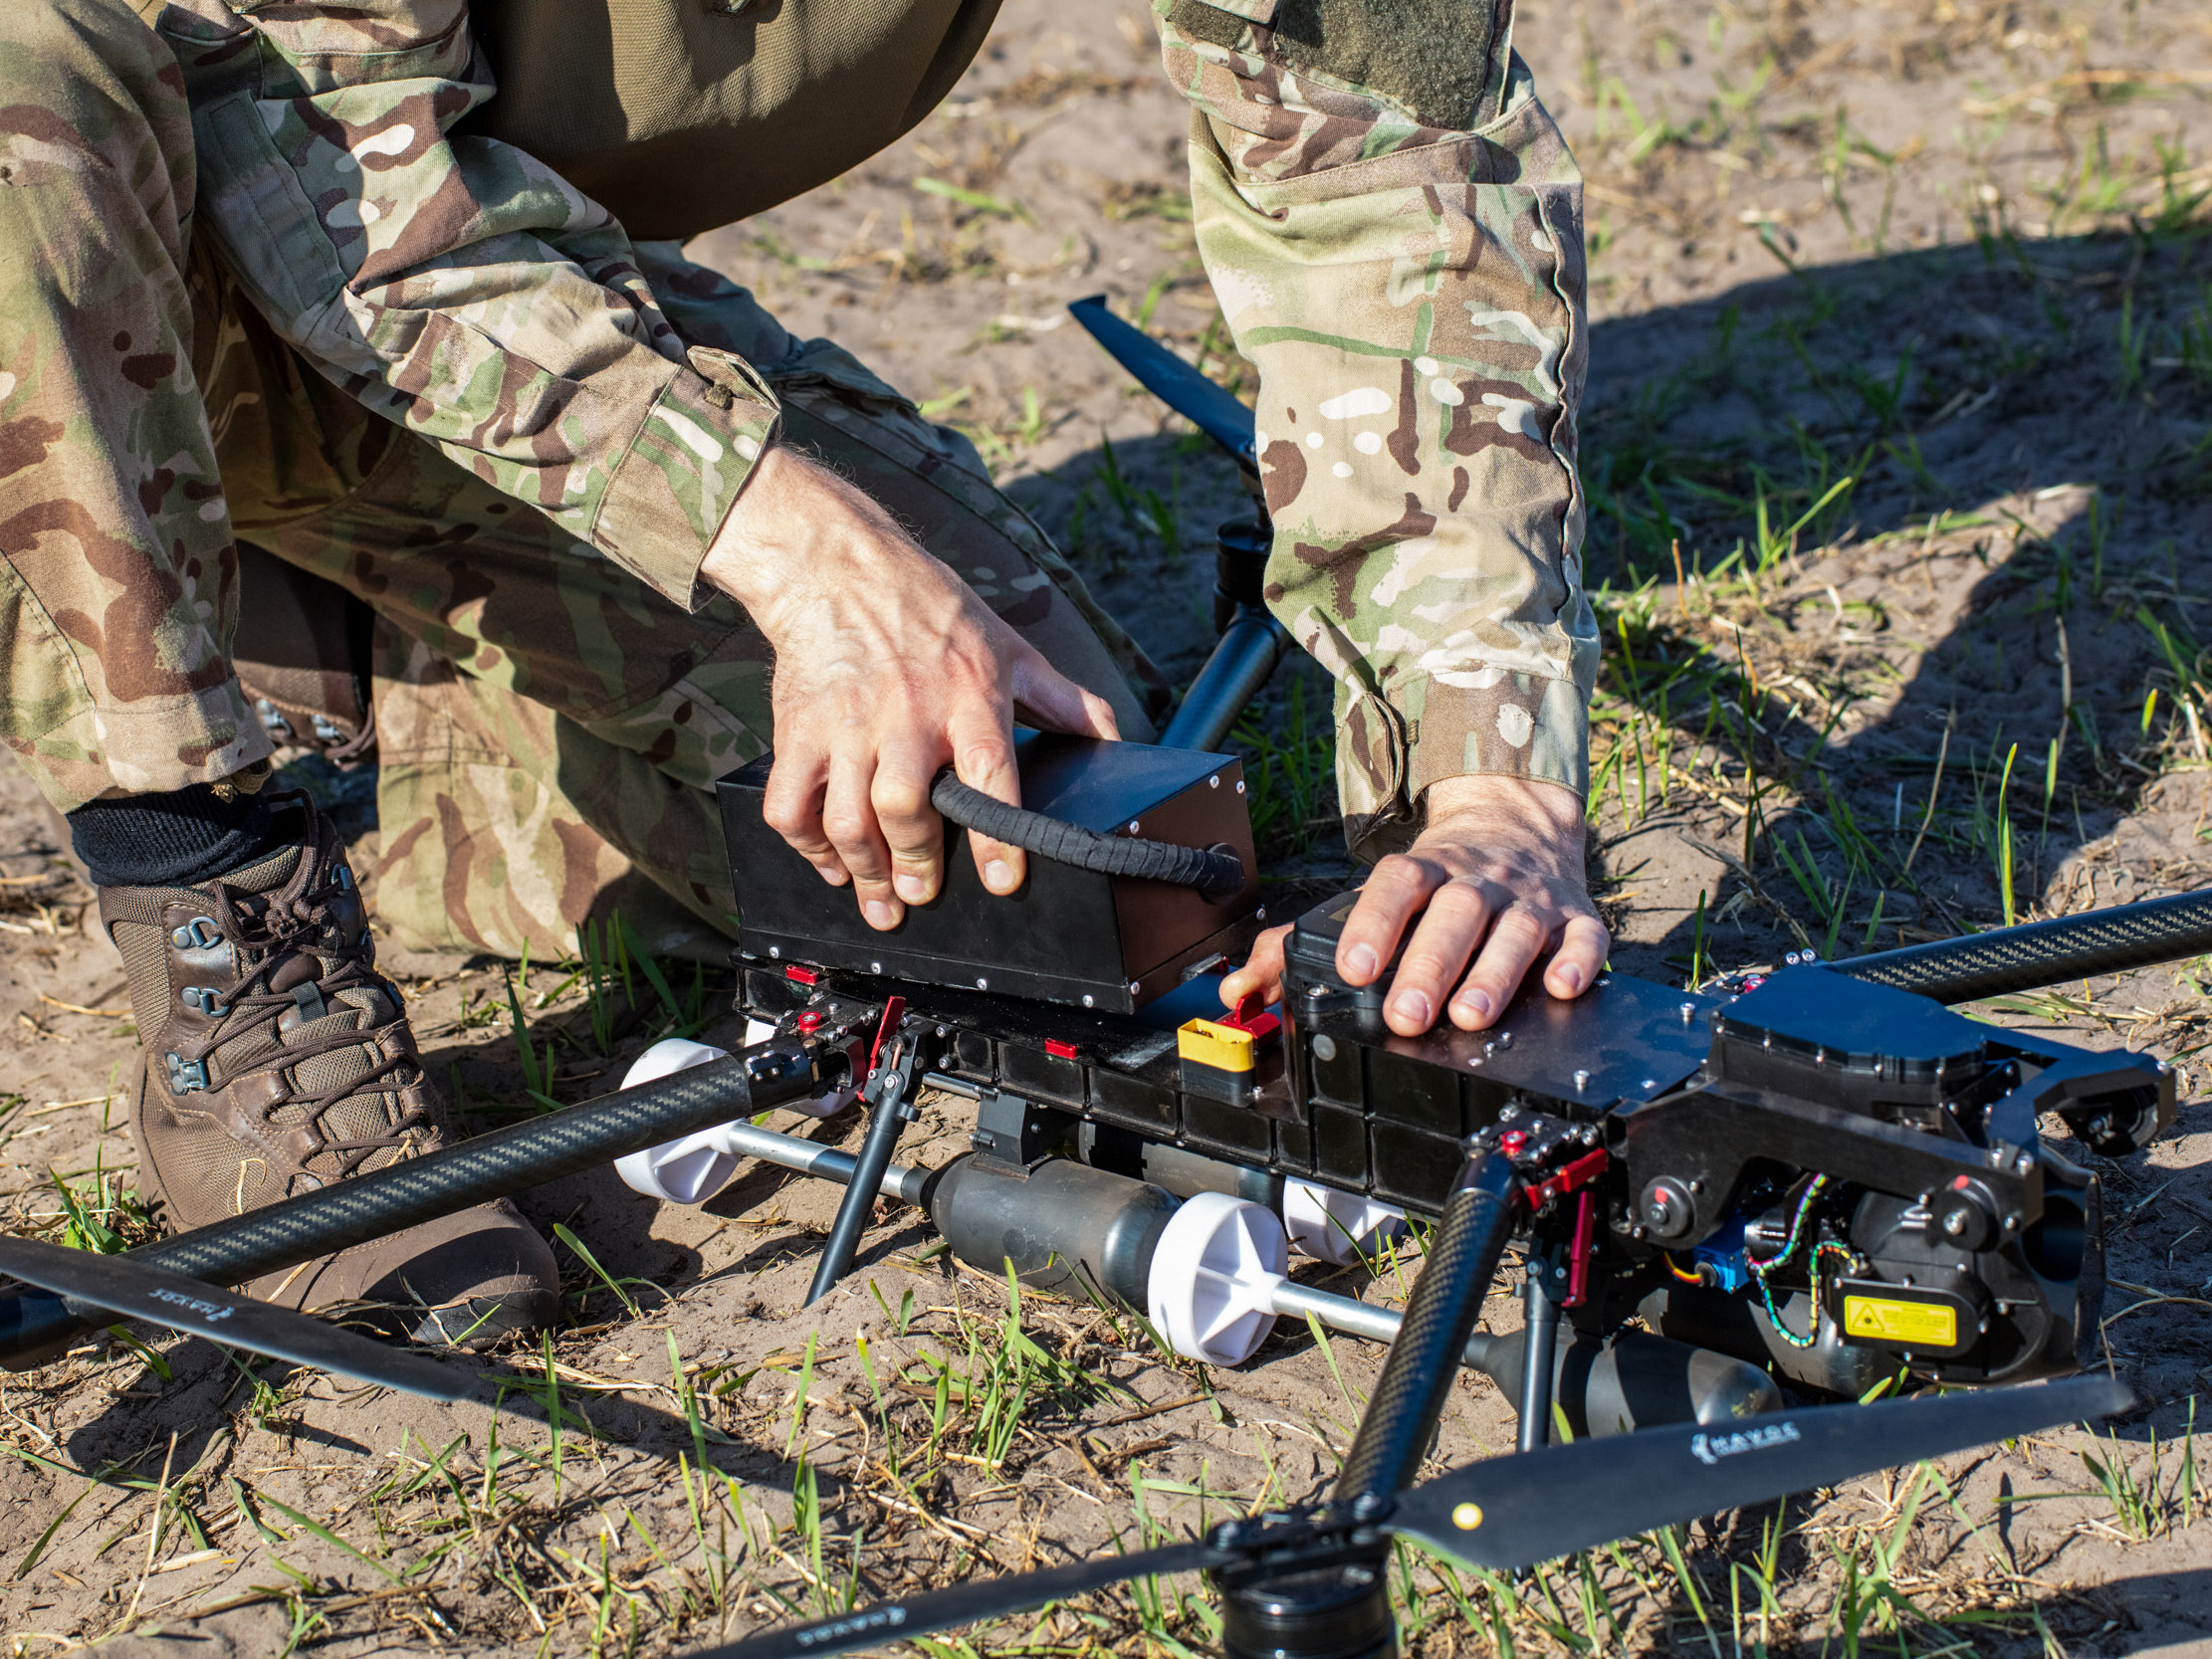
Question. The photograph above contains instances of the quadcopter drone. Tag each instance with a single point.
(1813, 1179)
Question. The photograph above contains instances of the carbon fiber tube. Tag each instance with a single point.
(1215, 874)
(1251, 647)
(1417, 1375)
(2109, 941)
(35, 1327)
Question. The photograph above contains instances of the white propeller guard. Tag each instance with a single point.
(1213, 1276)
(694, 1168)
(1338, 1227)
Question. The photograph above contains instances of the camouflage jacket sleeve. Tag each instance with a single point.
(1393, 225)
(451, 282)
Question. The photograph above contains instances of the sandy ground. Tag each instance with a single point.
(1947, 251)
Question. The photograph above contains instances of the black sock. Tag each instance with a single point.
(176, 839)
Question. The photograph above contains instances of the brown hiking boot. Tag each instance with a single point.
(276, 1060)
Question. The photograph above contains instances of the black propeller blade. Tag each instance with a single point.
(1512, 1512)
(121, 1285)
(992, 1598)
(1170, 379)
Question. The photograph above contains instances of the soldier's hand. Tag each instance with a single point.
(887, 668)
(1494, 882)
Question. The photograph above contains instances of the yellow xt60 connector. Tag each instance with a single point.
(1210, 1043)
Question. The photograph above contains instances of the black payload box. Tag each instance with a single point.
(1068, 935)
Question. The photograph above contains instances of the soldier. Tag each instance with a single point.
(288, 278)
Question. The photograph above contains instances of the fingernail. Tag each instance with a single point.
(1475, 1005)
(1361, 962)
(999, 876)
(1571, 976)
(911, 887)
(1411, 1005)
(879, 913)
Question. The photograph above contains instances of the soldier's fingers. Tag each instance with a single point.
(911, 828)
(1440, 950)
(849, 820)
(792, 807)
(1396, 889)
(983, 756)
(1582, 952)
(1050, 700)
(1516, 938)
(1262, 970)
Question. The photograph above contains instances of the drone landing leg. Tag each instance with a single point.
(1343, 1611)
(1542, 1319)
(890, 1094)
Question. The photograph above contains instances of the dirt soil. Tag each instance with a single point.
(1896, 450)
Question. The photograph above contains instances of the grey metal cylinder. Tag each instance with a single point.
(1633, 1380)
(1064, 1226)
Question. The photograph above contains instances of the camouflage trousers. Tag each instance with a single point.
(548, 727)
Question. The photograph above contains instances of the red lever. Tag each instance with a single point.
(1250, 1014)
(894, 1010)
(1580, 1173)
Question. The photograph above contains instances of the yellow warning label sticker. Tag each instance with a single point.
(1917, 1324)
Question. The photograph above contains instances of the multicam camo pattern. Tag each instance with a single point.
(249, 288)
(549, 730)
(459, 287)
(549, 722)
(1413, 298)
(119, 587)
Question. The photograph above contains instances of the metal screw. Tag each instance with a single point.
(1689, 1012)
(1214, 782)
(776, 950)
(1132, 987)
(1260, 915)
(1324, 1047)
(983, 984)
(1314, 993)
(1089, 1001)
(1582, 1079)
(1134, 826)
(1509, 1114)
(1505, 1039)
(875, 967)
(1240, 786)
